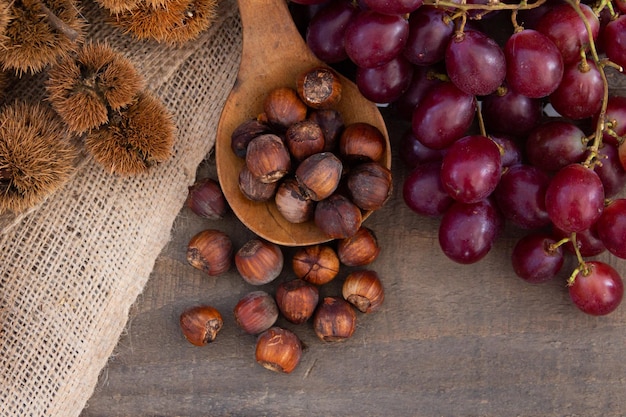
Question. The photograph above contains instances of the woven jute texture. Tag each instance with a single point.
(71, 268)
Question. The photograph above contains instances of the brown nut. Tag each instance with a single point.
(319, 175)
(256, 312)
(201, 324)
(244, 133)
(283, 107)
(369, 185)
(317, 264)
(361, 142)
(296, 300)
(292, 202)
(360, 249)
(278, 350)
(268, 158)
(334, 320)
(210, 251)
(253, 188)
(332, 125)
(304, 138)
(205, 199)
(364, 290)
(337, 217)
(319, 88)
(259, 261)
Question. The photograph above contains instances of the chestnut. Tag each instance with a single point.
(259, 261)
(317, 264)
(278, 350)
(304, 139)
(363, 290)
(205, 199)
(319, 175)
(319, 88)
(210, 251)
(362, 141)
(200, 324)
(255, 312)
(360, 249)
(292, 202)
(332, 125)
(334, 320)
(369, 185)
(283, 107)
(296, 300)
(253, 188)
(244, 133)
(268, 158)
(337, 217)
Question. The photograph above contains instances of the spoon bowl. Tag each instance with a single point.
(273, 55)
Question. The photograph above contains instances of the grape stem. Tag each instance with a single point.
(524, 5)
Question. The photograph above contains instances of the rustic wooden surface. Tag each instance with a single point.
(451, 340)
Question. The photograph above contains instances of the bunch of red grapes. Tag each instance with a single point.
(511, 121)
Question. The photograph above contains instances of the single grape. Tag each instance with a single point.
(385, 83)
(413, 152)
(580, 93)
(326, 30)
(535, 259)
(471, 168)
(611, 227)
(614, 119)
(421, 81)
(443, 116)
(467, 232)
(555, 144)
(598, 289)
(373, 39)
(509, 148)
(575, 198)
(508, 112)
(475, 63)
(534, 64)
(614, 43)
(422, 190)
(430, 29)
(610, 171)
(393, 6)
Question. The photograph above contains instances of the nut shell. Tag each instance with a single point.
(319, 175)
(338, 217)
(253, 188)
(304, 139)
(317, 264)
(255, 312)
(319, 88)
(259, 261)
(200, 324)
(334, 320)
(362, 142)
(283, 107)
(364, 290)
(244, 133)
(210, 251)
(360, 249)
(297, 300)
(268, 158)
(369, 185)
(292, 202)
(205, 199)
(278, 350)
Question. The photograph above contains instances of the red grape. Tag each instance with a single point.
(599, 291)
(615, 41)
(385, 83)
(587, 241)
(422, 190)
(555, 144)
(421, 82)
(535, 260)
(429, 32)
(506, 111)
(326, 30)
(393, 6)
(413, 152)
(616, 116)
(580, 93)
(611, 227)
(610, 170)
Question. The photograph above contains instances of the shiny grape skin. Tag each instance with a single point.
(587, 241)
(429, 33)
(511, 113)
(555, 144)
(520, 195)
(580, 93)
(599, 292)
(611, 227)
(614, 43)
(387, 82)
(611, 171)
(534, 64)
(420, 83)
(372, 39)
(475, 63)
(534, 260)
(471, 168)
(422, 190)
(393, 6)
(467, 232)
(326, 30)
(575, 198)
(509, 148)
(443, 116)
(615, 113)
(413, 152)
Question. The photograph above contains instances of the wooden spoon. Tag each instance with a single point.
(273, 55)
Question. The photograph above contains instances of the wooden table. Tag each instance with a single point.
(451, 340)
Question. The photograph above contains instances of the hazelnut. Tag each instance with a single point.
(259, 261)
(244, 133)
(293, 203)
(334, 320)
(253, 188)
(205, 199)
(332, 125)
(283, 107)
(319, 88)
(317, 264)
(363, 290)
(267, 158)
(361, 142)
(256, 312)
(201, 324)
(278, 350)
(369, 185)
(337, 217)
(296, 300)
(319, 175)
(304, 138)
(210, 251)
(360, 249)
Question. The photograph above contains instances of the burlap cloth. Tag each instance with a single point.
(71, 268)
